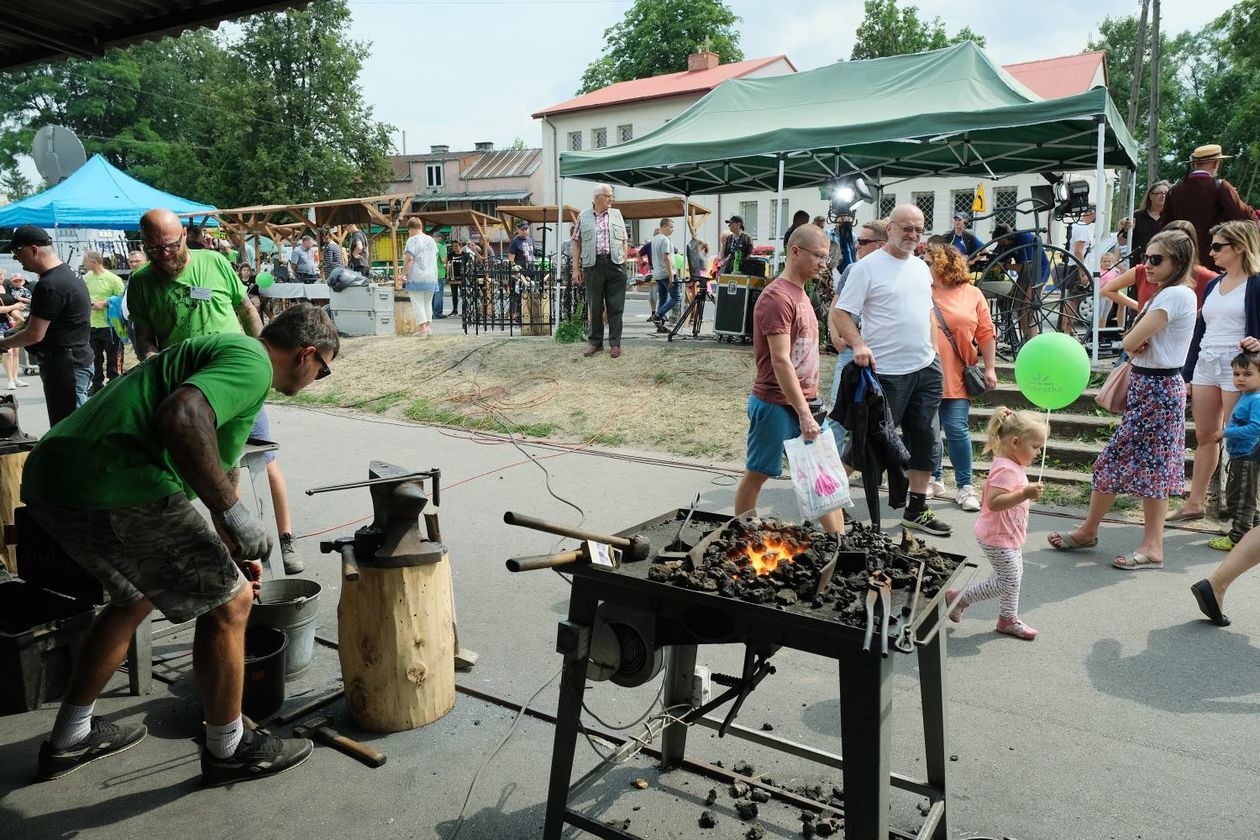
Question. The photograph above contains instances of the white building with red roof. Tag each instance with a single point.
(625, 110)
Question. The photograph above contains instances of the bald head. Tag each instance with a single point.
(905, 229)
(163, 236)
(160, 224)
(807, 254)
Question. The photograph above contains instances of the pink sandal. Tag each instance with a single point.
(951, 600)
(1015, 627)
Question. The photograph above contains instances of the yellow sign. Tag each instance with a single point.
(978, 204)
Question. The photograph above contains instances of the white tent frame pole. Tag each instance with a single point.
(778, 213)
(1095, 254)
(1130, 210)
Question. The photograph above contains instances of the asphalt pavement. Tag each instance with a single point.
(1129, 717)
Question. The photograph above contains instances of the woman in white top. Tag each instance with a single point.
(1146, 455)
(419, 274)
(1230, 320)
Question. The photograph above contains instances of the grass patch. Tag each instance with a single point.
(424, 411)
(609, 439)
(326, 398)
(381, 404)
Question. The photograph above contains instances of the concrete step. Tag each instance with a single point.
(1008, 394)
(1071, 453)
(1071, 426)
(1052, 475)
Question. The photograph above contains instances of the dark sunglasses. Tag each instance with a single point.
(1153, 259)
(1216, 246)
(865, 242)
(323, 366)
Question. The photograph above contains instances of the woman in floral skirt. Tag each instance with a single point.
(1146, 455)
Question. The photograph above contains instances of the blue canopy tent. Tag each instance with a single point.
(98, 195)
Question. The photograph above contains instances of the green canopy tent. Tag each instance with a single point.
(945, 112)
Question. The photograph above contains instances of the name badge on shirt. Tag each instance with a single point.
(200, 293)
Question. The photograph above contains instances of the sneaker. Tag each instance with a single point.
(288, 552)
(967, 498)
(11, 386)
(256, 756)
(103, 740)
(1222, 543)
(1015, 627)
(928, 523)
(935, 489)
(21, 384)
(955, 614)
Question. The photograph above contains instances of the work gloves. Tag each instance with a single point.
(249, 540)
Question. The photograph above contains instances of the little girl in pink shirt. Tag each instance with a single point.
(1015, 438)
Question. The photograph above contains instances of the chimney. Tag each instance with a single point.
(705, 60)
(439, 150)
(484, 146)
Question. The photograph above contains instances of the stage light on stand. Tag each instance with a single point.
(846, 194)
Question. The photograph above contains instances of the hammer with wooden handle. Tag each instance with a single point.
(318, 729)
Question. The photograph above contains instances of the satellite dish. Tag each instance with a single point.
(57, 153)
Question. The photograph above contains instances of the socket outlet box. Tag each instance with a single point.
(701, 687)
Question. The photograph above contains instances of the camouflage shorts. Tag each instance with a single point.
(164, 551)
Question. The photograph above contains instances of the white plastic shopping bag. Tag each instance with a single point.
(817, 475)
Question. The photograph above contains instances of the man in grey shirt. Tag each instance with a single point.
(663, 273)
(303, 260)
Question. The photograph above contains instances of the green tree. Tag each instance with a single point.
(656, 36)
(887, 29)
(15, 185)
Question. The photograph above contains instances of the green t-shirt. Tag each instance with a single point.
(202, 301)
(441, 246)
(109, 452)
(102, 287)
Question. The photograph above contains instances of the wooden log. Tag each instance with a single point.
(397, 646)
(10, 497)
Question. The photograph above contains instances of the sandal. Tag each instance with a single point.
(1068, 543)
(1182, 516)
(952, 598)
(1136, 560)
(1015, 627)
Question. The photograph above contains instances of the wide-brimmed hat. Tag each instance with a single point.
(1212, 151)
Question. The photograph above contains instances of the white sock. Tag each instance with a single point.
(222, 740)
(72, 726)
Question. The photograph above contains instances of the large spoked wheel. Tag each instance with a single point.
(1037, 300)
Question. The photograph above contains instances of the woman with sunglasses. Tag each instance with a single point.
(1146, 219)
(1146, 456)
(1136, 277)
(1229, 321)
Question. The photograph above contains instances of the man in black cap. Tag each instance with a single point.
(520, 253)
(58, 326)
(737, 243)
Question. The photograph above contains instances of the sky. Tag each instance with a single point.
(457, 72)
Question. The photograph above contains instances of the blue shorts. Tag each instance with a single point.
(262, 431)
(769, 425)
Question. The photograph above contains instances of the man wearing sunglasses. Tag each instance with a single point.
(183, 294)
(112, 485)
(58, 324)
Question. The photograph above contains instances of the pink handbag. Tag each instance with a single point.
(1114, 394)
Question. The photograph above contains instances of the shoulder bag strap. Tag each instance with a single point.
(949, 335)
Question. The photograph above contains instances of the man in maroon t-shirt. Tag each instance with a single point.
(785, 346)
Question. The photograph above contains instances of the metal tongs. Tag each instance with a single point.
(878, 586)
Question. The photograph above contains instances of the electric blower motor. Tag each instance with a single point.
(623, 647)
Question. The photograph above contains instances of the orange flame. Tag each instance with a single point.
(774, 551)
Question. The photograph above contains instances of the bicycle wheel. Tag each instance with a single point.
(1012, 304)
(1069, 306)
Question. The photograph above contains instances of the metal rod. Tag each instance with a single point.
(368, 483)
(563, 530)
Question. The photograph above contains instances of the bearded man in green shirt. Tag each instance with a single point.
(112, 483)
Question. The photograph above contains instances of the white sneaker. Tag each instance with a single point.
(967, 499)
(20, 383)
(11, 386)
(935, 488)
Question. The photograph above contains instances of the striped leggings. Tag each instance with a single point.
(1003, 584)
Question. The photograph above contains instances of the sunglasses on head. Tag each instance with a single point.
(1217, 246)
(1153, 259)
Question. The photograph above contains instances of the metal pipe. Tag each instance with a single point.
(368, 483)
(1100, 229)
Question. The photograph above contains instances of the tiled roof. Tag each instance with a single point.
(1054, 78)
(659, 87)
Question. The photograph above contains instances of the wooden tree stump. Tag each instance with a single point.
(397, 646)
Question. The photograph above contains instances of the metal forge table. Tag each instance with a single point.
(684, 619)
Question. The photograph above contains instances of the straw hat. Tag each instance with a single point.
(1212, 151)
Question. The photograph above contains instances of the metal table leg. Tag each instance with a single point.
(935, 725)
(256, 464)
(680, 667)
(582, 605)
(866, 741)
(140, 659)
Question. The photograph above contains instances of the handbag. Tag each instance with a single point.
(1114, 393)
(973, 375)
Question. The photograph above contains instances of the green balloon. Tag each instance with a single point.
(264, 280)
(1052, 370)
